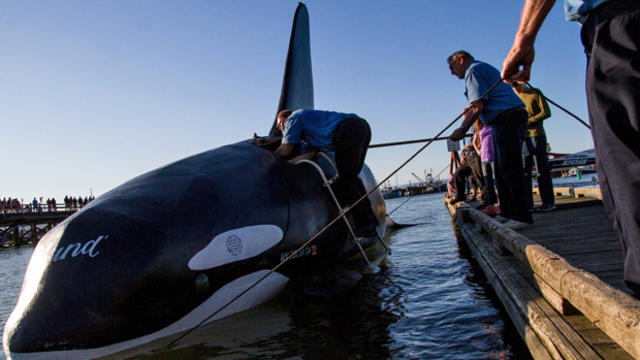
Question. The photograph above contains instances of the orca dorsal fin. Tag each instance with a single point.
(297, 83)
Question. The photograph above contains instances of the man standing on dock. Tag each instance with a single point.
(610, 37)
(504, 112)
(538, 110)
(348, 136)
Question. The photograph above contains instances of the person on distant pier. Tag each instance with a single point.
(348, 136)
(536, 143)
(504, 112)
(610, 37)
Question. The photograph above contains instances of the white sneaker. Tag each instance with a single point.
(546, 208)
(500, 218)
(515, 224)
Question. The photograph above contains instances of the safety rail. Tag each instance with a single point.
(29, 209)
(576, 192)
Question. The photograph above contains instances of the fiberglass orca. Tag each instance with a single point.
(165, 250)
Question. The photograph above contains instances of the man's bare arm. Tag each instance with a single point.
(303, 156)
(522, 51)
(470, 115)
(284, 150)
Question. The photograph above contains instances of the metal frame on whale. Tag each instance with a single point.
(158, 255)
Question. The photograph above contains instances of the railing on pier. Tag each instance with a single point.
(26, 224)
(39, 209)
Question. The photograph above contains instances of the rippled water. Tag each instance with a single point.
(13, 264)
(426, 301)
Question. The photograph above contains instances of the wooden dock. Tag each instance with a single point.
(560, 280)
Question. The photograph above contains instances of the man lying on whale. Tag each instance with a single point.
(348, 136)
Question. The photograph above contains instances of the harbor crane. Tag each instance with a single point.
(424, 183)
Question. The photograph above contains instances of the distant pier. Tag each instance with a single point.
(26, 225)
(560, 279)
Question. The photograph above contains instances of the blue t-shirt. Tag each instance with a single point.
(478, 78)
(313, 129)
(576, 10)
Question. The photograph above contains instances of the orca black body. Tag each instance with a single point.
(143, 256)
(165, 250)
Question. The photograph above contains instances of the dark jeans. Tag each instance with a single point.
(477, 179)
(351, 142)
(537, 147)
(471, 169)
(611, 41)
(460, 178)
(509, 132)
(489, 189)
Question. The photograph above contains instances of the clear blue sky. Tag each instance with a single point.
(93, 93)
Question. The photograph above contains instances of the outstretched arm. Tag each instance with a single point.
(470, 114)
(477, 142)
(517, 65)
(284, 150)
(304, 156)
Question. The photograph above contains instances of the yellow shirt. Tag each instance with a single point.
(538, 110)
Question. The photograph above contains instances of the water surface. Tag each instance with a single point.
(426, 301)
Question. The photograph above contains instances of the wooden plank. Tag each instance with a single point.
(560, 190)
(563, 203)
(612, 257)
(592, 232)
(616, 281)
(557, 335)
(568, 239)
(562, 244)
(535, 346)
(575, 222)
(613, 351)
(615, 312)
(573, 219)
(586, 232)
(556, 300)
(590, 256)
(531, 339)
(603, 344)
(529, 336)
(605, 269)
(575, 237)
(588, 247)
(587, 191)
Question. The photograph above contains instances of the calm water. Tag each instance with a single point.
(427, 301)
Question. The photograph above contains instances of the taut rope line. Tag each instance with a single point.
(410, 197)
(408, 142)
(422, 148)
(563, 109)
(340, 215)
